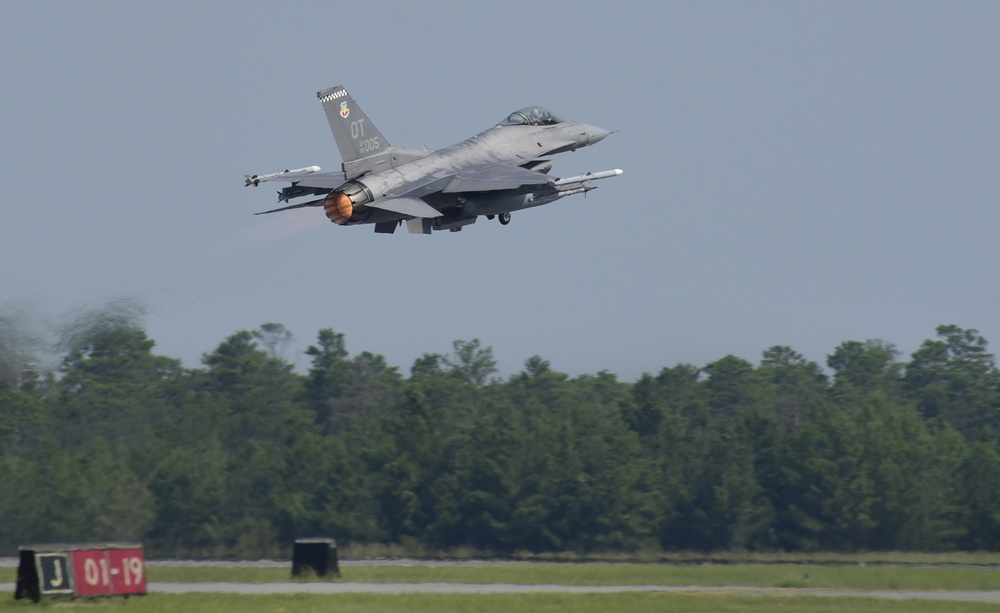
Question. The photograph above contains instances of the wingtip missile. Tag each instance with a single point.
(285, 175)
(590, 176)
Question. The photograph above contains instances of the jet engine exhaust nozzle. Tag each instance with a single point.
(338, 208)
(346, 204)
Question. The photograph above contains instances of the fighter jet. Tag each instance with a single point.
(492, 174)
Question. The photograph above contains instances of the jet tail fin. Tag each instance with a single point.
(356, 136)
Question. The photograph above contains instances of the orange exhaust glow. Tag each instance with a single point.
(338, 207)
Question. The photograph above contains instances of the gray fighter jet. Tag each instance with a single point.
(493, 173)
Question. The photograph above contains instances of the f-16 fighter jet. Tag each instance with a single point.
(492, 174)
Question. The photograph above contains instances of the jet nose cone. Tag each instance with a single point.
(596, 134)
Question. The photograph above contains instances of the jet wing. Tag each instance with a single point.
(494, 177)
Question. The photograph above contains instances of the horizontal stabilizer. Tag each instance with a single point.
(406, 206)
(292, 206)
(331, 180)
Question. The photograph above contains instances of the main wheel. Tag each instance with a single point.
(504, 218)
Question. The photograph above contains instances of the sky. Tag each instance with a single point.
(796, 173)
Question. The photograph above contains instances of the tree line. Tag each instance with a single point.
(242, 455)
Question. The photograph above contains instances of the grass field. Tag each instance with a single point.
(758, 575)
(489, 603)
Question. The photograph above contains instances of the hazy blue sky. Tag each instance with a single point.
(796, 173)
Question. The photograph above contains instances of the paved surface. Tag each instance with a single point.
(499, 588)
(507, 588)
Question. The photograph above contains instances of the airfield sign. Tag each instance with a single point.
(104, 569)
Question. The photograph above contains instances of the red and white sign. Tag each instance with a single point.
(106, 572)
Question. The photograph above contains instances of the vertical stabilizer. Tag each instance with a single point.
(356, 136)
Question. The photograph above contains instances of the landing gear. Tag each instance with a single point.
(504, 218)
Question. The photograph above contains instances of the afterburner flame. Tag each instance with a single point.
(338, 207)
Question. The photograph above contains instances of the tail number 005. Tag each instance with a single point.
(365, 145)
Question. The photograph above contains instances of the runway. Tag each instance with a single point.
(353, 587)
(507, 588)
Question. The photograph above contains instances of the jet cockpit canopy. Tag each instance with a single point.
(531, 116)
